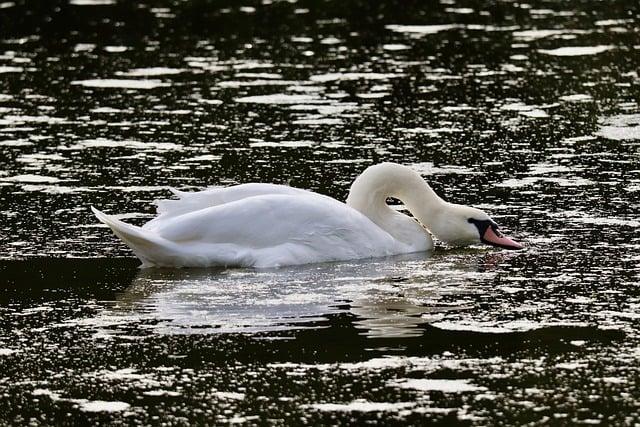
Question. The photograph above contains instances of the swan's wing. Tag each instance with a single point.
(194, 201)
(280, 229)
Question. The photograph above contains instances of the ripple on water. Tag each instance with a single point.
(312, 121)
(31, 178)
(208, 301)
(394, 47)
(500, 327)
(103, 406)
(532, 35)
(428, 168)
(542, 103)
(84, 404)
(444, 386)
(278, 98)
(578, 97)
(91, 2)
(121, 83)
(620, 127)
(361, 405)
(577, 50)
(132, 144)
(10, 69)
(151, 71)
(421, 30)
(332, 77)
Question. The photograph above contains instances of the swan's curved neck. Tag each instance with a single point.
(369, 193)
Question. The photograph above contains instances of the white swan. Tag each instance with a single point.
(267, 225)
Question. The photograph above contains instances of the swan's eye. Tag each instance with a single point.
(482, 225)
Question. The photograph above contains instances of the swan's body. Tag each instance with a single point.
(267, 225)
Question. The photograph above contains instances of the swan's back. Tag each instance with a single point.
(264, 230)
(193, 201)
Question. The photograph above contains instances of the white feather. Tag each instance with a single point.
(267, 225)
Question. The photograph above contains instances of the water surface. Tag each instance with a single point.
(527, 110)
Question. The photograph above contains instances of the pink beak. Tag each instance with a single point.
(497, 239)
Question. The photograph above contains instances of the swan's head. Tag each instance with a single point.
(463, 225)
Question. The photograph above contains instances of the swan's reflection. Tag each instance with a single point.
(389, 297)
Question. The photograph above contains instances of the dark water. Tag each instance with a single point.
(528, 110)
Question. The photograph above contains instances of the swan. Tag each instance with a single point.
(267, 225)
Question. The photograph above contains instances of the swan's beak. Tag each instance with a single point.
(495, 238)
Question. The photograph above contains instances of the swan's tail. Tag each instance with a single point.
(147, 246)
